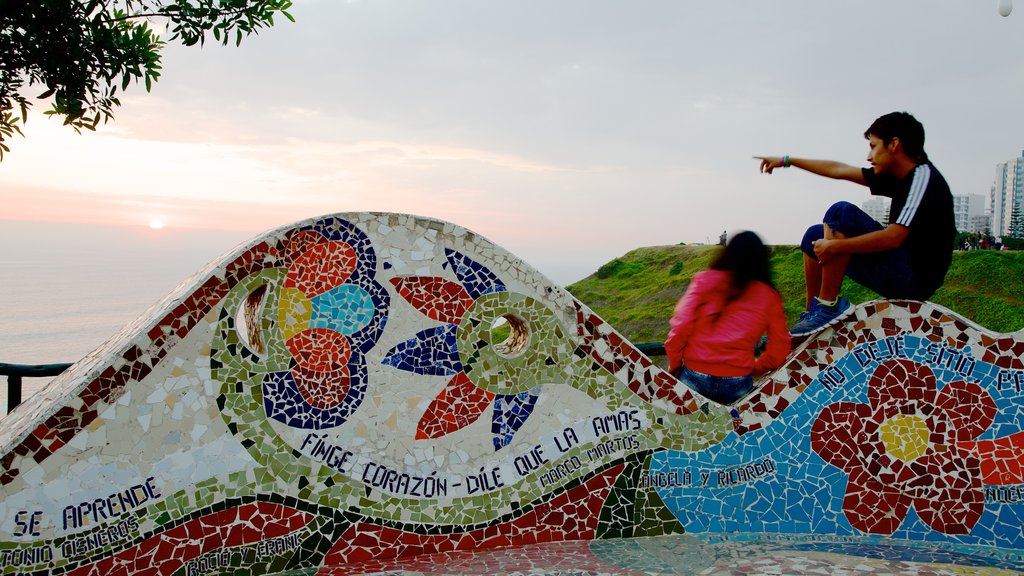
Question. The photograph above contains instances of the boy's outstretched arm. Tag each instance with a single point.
(826, 168)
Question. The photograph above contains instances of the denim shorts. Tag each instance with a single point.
(721, 389)
(888, 273)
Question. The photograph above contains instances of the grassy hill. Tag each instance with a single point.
(637, 292)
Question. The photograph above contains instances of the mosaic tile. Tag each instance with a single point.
(362, 391)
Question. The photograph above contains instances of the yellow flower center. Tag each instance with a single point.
(905, 436)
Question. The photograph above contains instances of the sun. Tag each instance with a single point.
(156, 224)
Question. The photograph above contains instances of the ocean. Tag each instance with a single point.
(67, 288)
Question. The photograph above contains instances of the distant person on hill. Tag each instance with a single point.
(909, 257)
(721, 318)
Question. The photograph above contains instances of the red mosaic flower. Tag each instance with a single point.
(903, 449)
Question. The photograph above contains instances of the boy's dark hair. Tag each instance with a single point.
(747, 258)
(905, 127)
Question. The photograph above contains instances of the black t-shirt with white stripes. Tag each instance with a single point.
(922, 202)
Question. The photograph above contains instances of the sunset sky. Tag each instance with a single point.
(568, 132)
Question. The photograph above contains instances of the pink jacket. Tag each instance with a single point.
(720, 342)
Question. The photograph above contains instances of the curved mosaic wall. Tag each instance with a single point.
(368, 386)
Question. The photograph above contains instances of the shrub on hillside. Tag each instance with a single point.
(619, 269)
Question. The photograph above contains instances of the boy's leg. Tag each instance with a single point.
(812, 279)
(824, 280)
(842, 220)
(888, 273)
(833, 270)
(812, 268)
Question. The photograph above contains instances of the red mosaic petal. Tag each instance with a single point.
(901, 381)
(458, 405)
(320, 349)
(969, 408)
(437, 298)
(321, 267)
(838, 433)
(954, 500)
(873, 507)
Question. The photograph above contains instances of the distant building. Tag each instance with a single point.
(980, 224)
(1007, 194)
(878, 208)
(969, 211)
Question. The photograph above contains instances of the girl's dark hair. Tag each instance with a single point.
(747, 258)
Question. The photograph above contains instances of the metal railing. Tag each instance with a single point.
(16, 372)
(651, 349)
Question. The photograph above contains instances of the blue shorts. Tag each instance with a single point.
(888, 273)
(721, 389)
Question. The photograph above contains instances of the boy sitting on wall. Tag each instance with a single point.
(908, 258)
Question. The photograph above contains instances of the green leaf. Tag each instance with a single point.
(103, 45)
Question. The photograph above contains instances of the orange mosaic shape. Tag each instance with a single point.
(460, 404)
(1002, 459)
(320, 349)
(571, 515)
(437, 298)
(168, 552)
(322, 267)
(299, 242)
(321, 372)
(322, 389)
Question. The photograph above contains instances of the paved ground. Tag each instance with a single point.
(709, 555)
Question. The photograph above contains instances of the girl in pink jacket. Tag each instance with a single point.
(719, 321)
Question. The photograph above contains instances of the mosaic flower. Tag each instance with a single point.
(330, 312)
(904, 449)
(505, 377)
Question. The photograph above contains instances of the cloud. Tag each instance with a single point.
(588, 127)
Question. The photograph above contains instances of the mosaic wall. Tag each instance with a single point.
(364, 387)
